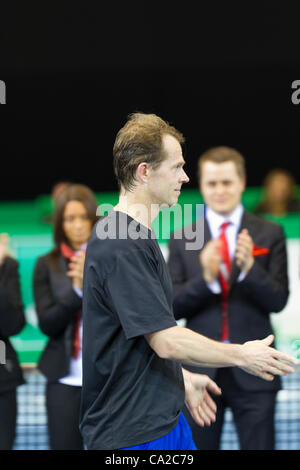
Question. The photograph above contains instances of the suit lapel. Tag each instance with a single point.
(59, 280)
(207, 234)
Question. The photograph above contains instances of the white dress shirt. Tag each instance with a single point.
(215, 221)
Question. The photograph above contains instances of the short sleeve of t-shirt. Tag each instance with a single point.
(135, 289)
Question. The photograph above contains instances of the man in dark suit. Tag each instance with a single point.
(227, 290)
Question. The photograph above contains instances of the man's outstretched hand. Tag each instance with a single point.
(266, 362)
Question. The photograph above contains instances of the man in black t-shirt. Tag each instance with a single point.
(134, 386)
(127, 294)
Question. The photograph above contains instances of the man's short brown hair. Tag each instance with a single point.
(140, 140)
(220, 155)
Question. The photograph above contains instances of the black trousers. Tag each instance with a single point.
(8, 418)
(63, 407)
(253, 414)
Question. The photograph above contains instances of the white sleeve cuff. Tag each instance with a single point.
(241, 277)
(78, 291)
(215, 287)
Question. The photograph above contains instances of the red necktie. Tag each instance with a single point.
(225, 270)
(76, 339)
(68, 253)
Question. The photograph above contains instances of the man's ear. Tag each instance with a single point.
(244, 183)
(142, 172)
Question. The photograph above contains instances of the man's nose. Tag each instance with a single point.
(185, 178)
(220, 188)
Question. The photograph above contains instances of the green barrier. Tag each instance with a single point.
(27, 247)
(29, 225)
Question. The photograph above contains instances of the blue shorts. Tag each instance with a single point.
(180, 438)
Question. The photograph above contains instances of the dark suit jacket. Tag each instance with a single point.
(56, 306)
(263, 291)
(12, 320)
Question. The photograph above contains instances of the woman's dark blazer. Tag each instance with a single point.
(56, 304)
(12, 321)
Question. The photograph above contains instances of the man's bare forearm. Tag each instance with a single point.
(196, 349)
(186, 346)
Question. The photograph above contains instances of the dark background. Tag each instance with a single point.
(221, 72)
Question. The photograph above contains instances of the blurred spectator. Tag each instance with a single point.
(58, 188)
(12, 320)
(47, 207)
(227, 290)
(58, 296)
(279, 194)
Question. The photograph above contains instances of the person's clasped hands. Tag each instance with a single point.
(4, 242)
(76, 267)
(210, 256)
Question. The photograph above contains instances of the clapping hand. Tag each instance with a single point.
(243, 253)
(76, 267)
(4, 240)
(210, 259)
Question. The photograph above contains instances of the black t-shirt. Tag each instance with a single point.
(130, 395)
